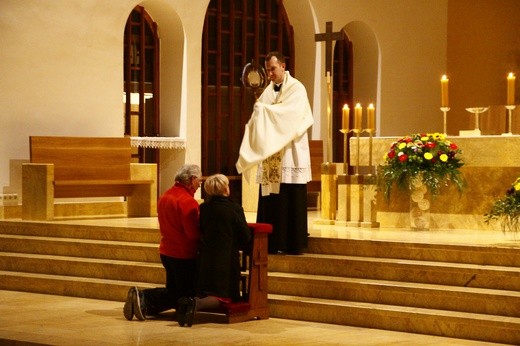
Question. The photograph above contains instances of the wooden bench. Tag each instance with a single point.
(254, 280)
(76, 167)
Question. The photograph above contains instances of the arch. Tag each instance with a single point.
(171, 35)
(173, 84)
(235, 33)
(367, 66)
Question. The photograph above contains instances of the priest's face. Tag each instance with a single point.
(275, 70)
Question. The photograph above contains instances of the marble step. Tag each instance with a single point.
(95, 232)
(464, 299)
(73, 286)
(341, 288)
(90, 248)
(479, 254)
(83, 267)
(481, 327)
(441, 273)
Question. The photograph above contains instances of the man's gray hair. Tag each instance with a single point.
(186, 172)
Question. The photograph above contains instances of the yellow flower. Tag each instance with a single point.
(438, 136)
(402, 145)
(444, 157)
(516, 187)
(428, 156)
(424, 139)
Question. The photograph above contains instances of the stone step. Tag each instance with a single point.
(80, 231)
(73, 286)
(504, 255)
(489, 328)
(83, 267)
(90, 248)
(464, 299)
(441, 273)
(419, 288)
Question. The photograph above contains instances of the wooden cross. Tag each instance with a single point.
(328, 37)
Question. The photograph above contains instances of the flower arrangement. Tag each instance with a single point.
(429, 157)
(507, 209)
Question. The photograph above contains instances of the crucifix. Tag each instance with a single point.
(328, 36)
(328, 169)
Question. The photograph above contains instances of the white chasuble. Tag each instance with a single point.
(275, 137)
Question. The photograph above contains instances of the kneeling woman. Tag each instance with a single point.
(224, 232)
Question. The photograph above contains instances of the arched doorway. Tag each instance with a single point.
(141, 81)
(235, 33)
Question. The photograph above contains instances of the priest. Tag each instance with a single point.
(275, 140)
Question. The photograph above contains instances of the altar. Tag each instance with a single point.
(491, 164)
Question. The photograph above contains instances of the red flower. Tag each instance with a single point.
(429, 145)
(391, 154)
(403, 158)
(453, 146)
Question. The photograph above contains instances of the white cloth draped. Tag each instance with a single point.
(279, 122)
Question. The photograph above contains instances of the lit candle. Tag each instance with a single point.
(511, 89)
(371, 118)
(444, 91)
(358, 116)
(346, 114)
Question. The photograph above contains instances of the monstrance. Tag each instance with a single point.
(254, 78)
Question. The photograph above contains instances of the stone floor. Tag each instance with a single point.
(36, 319)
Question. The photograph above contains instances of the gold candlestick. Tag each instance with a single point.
(510, 109)
(345, 162)
(445, 111)
(357, 132)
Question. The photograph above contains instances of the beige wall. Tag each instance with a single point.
(62, 73)
(410, 35)
(483, 47)
(61, 70)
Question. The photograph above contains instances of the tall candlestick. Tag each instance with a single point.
(511, 89)
(444, 91)
(371, 119)
(346, 119)
(358, 116)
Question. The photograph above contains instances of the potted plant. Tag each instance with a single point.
(506, 210)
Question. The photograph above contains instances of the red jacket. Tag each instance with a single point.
(178, 214)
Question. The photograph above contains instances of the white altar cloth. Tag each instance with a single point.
(159, 142)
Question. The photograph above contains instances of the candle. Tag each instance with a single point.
(346, 114)
(358, 117)
(511, 89)
(371, 119)
(444, 91)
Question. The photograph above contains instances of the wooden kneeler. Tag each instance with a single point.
(254, 283)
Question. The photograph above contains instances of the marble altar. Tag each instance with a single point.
(492, 163)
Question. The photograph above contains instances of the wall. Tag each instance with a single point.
(483, 47)
(411, 37)
(62, 72)
(62, 64)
